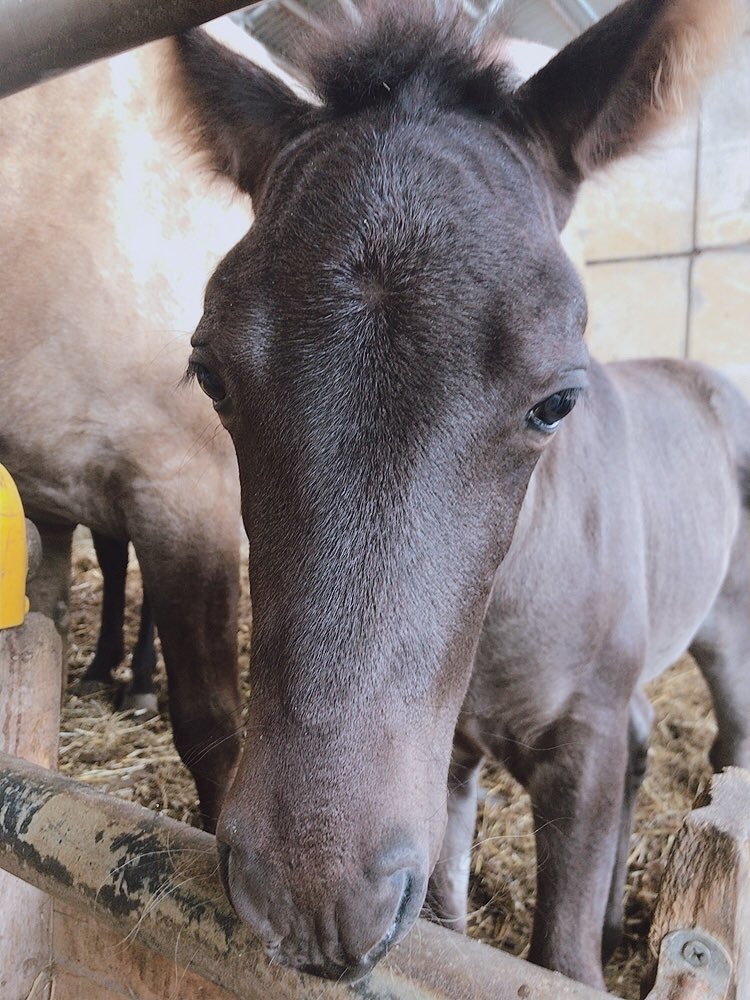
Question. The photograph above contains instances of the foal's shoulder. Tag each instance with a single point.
(675, 383)
(675, 374)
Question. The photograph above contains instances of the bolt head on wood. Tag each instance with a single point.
(696, 954)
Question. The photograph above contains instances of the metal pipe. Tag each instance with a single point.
(155, 880)
(588, 11)
(40, 39)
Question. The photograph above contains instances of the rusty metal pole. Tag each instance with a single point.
(40, 39)
(154, 880)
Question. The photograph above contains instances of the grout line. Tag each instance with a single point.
(689, 308)
(674, 255)
(694, 254)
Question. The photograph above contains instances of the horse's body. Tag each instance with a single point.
(107, 239)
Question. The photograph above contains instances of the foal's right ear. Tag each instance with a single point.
(613, 87)
(233, 111)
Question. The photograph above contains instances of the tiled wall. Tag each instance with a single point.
(666, 238)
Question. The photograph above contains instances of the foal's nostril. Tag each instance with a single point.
(403, 906)
(339, 934)
(405, 899)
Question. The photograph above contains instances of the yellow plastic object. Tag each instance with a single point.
(13, 555)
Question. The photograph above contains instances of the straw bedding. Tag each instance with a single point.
(139, 762)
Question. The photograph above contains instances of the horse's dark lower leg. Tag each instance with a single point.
(194, 596)
(49, 590)
(576, 789)
(140, 695)
(639, 734)
(449, 883)
(721, 649)
(113, 562)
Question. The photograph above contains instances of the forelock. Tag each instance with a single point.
(400, 50)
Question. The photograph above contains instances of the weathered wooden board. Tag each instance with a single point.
(30, 664)
(147, 877)
(706, 886)
(86, 950)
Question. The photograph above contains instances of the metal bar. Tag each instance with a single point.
(692, 966)
(350, 10)
(579, 14)
(302, 14)
(490, 13)
(472, 10)
(40, 39)
(587, 10)
(564, 15)
(155, 880)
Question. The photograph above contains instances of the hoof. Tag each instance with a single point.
(141, 706)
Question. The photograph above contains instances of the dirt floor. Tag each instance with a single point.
(138, 762)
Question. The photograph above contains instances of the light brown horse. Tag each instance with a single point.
(107, 236)
(447, 558)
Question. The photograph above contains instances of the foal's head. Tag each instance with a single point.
(392, 347)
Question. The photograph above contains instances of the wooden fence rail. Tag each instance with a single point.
(706, 887)
(123, 875)
(102, 899)
(152, 879)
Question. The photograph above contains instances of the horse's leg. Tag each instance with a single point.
(113, 562)
(449, 884)
(721, 648)
(192, 579)
(639, 735)
(140, 694)
(49, 590)
(576, 789)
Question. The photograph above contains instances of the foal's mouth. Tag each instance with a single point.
(339, 974)
(357, 969)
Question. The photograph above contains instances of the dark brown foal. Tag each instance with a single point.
(442, 542)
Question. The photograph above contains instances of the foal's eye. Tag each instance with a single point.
(545, 416)
(210, 383)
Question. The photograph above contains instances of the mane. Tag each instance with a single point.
(401, 50)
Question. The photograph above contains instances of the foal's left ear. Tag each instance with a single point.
(239, 115)
(618, 83)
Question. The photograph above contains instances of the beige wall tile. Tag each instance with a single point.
(720, 313)
(724, 167)
(637, 308)
(643, 204)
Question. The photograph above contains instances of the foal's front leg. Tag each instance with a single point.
(449, 884)
(641, 719)
(576, 788)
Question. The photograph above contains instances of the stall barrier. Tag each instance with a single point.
(102, 899)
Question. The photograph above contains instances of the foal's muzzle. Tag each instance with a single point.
(345, 937)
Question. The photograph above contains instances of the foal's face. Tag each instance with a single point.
(380, 349)
(392, 348)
